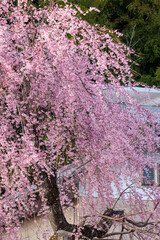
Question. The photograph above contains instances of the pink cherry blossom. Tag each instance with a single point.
(66, 119)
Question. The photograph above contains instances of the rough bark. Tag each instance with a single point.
(59, 219)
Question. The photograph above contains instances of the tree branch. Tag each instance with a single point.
(121, 195)
(119, 233)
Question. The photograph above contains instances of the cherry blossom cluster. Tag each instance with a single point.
(63, 103)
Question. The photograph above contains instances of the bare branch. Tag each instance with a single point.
(121, 195)
(119, 233)
(143, 224)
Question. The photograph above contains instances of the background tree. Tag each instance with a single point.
(57, 110)
(139, 21)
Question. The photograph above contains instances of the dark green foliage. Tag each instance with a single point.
(139, 21)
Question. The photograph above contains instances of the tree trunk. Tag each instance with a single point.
(58, 220)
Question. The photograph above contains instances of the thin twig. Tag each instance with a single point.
(118, 233)
(121, 195)
(79, 167)
(120, 238)
(143, 224)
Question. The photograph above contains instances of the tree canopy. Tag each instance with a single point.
(58, 110)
